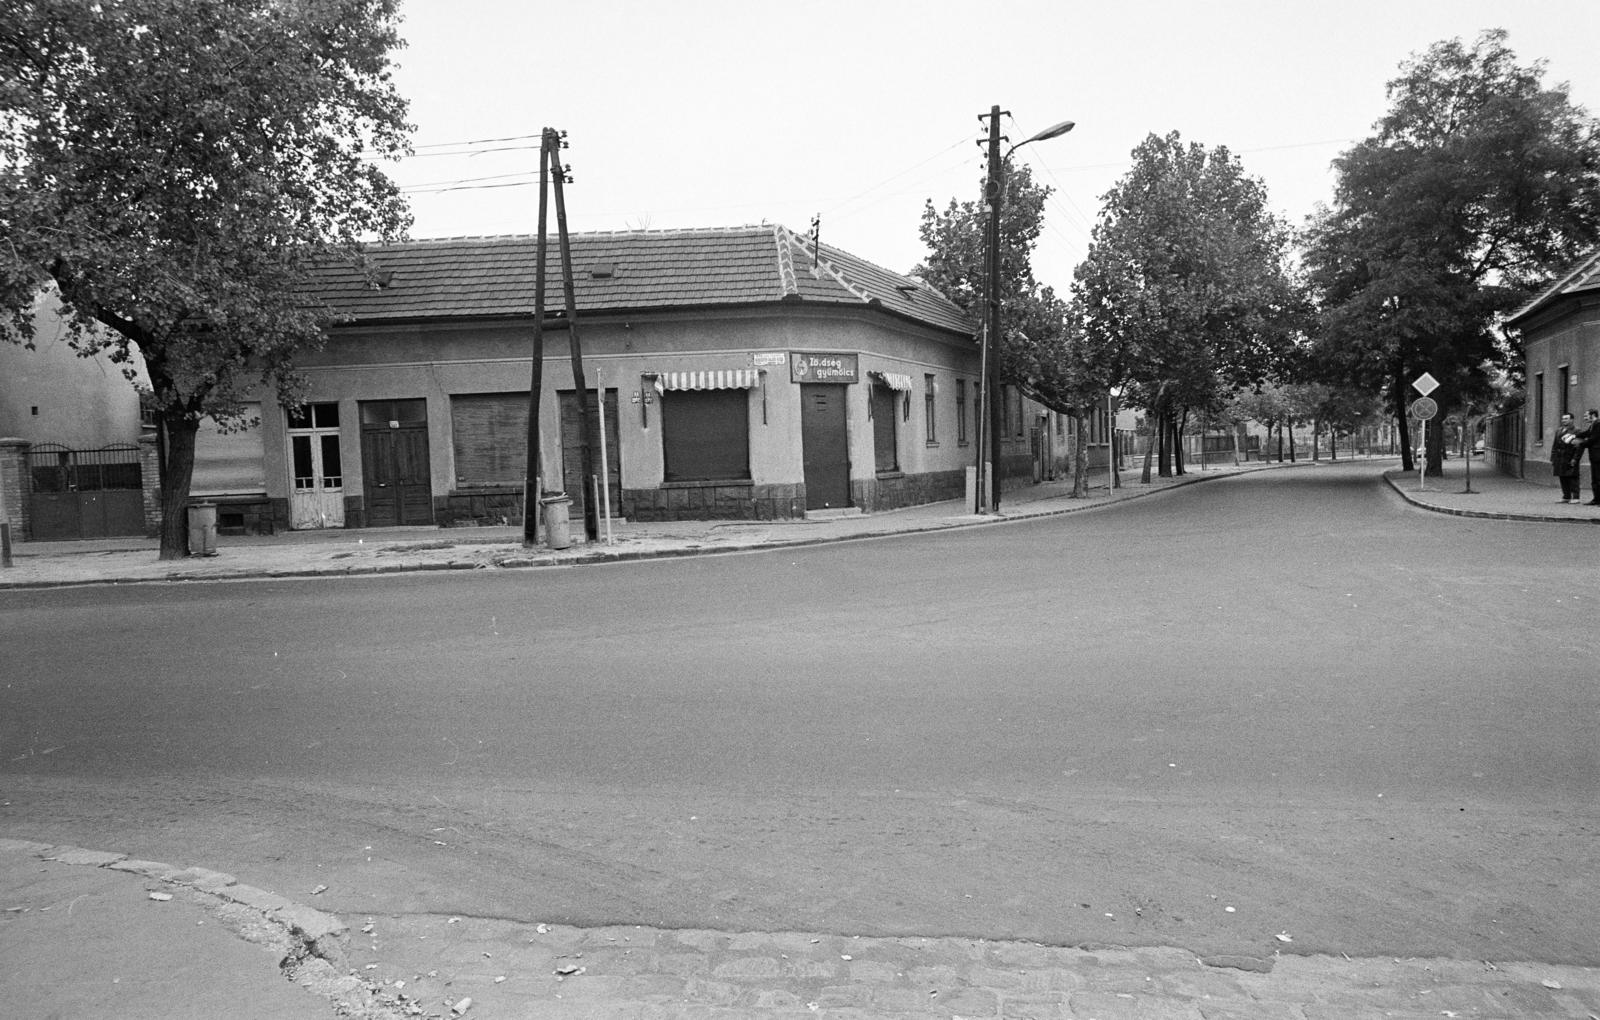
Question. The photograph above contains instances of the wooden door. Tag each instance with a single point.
(397, 485)
(825, 439)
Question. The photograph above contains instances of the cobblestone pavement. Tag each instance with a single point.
(427, 965)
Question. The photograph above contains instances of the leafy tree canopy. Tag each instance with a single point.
(1186, 287)
(174, 168)
(1479, 183)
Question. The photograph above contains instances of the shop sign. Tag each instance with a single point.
(823, 368)
(768, 359)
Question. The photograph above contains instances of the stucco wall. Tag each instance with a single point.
(1572, 339)
(436, 361)
(52, 395)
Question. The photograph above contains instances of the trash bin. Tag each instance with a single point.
(557, 529)
(203, 529)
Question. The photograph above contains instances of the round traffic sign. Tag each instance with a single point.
(1424, 408)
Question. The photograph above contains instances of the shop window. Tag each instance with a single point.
(489, 434)
(1538, 407)
(315, 416)
(885, 430)
(961, 412)
(705, 435)
(233, 461)
(386, 412)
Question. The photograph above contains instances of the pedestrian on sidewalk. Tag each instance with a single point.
(1590, 436)
(1566, 453)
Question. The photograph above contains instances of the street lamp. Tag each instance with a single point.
(994, 190)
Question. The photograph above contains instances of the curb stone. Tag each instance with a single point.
(313, 935)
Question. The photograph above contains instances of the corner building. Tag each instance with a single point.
(745, 373)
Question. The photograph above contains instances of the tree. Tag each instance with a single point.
(1186, 285)
(1035, 353)
(176, 169)
(1478, 184)
(1044, 351)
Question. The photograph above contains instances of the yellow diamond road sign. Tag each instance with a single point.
(1426, 384)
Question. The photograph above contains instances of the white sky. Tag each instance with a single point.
(709, 113)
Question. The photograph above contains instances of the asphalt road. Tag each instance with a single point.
(1282, 703)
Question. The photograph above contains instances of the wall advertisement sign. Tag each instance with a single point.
(805, 367)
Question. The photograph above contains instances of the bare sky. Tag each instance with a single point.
(706, 113)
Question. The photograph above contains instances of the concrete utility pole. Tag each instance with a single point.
(989, 419)
(994, 195)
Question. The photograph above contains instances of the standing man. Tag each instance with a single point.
(1591, 442)
(1566, 450)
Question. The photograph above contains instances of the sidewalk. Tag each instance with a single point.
(347, 552)
(339, 552)
(96, 936)
(1493, 495)
(91, 934)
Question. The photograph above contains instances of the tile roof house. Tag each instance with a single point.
(746, 372)
(630, 271)
(1560, 330)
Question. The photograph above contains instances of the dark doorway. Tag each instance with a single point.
(397, 485)
(824, 436)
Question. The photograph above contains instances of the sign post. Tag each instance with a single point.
(1425, 384)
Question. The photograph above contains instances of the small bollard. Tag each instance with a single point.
(5, 544)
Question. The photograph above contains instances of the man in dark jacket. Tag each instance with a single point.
(1591, 442)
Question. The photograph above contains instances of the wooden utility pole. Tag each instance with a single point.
(591, 513)
(531, 483)
(551, 170)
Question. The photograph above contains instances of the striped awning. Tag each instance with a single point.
(724, 379)
(894, 380)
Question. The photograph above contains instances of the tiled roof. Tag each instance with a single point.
(1584, 276)
(469, 277)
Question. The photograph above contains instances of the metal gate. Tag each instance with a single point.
(84, 493)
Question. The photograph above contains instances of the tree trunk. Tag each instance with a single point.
(1291, 441)
(1080, 453)
(1434, 429)
(1407, 461)
(1114, 470)
(1178, 421)
(1316, 439)
(1149, 448)
(1333, 444)
(1163, 440)
(177, 472)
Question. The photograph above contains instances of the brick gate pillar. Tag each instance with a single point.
(150, 480)
(16, 485)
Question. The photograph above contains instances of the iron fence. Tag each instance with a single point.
(53, 468)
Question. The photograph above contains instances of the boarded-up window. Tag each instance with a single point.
(490, 434)
(572, 451)
(884, 429)
(229, 463)
(705, 435)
